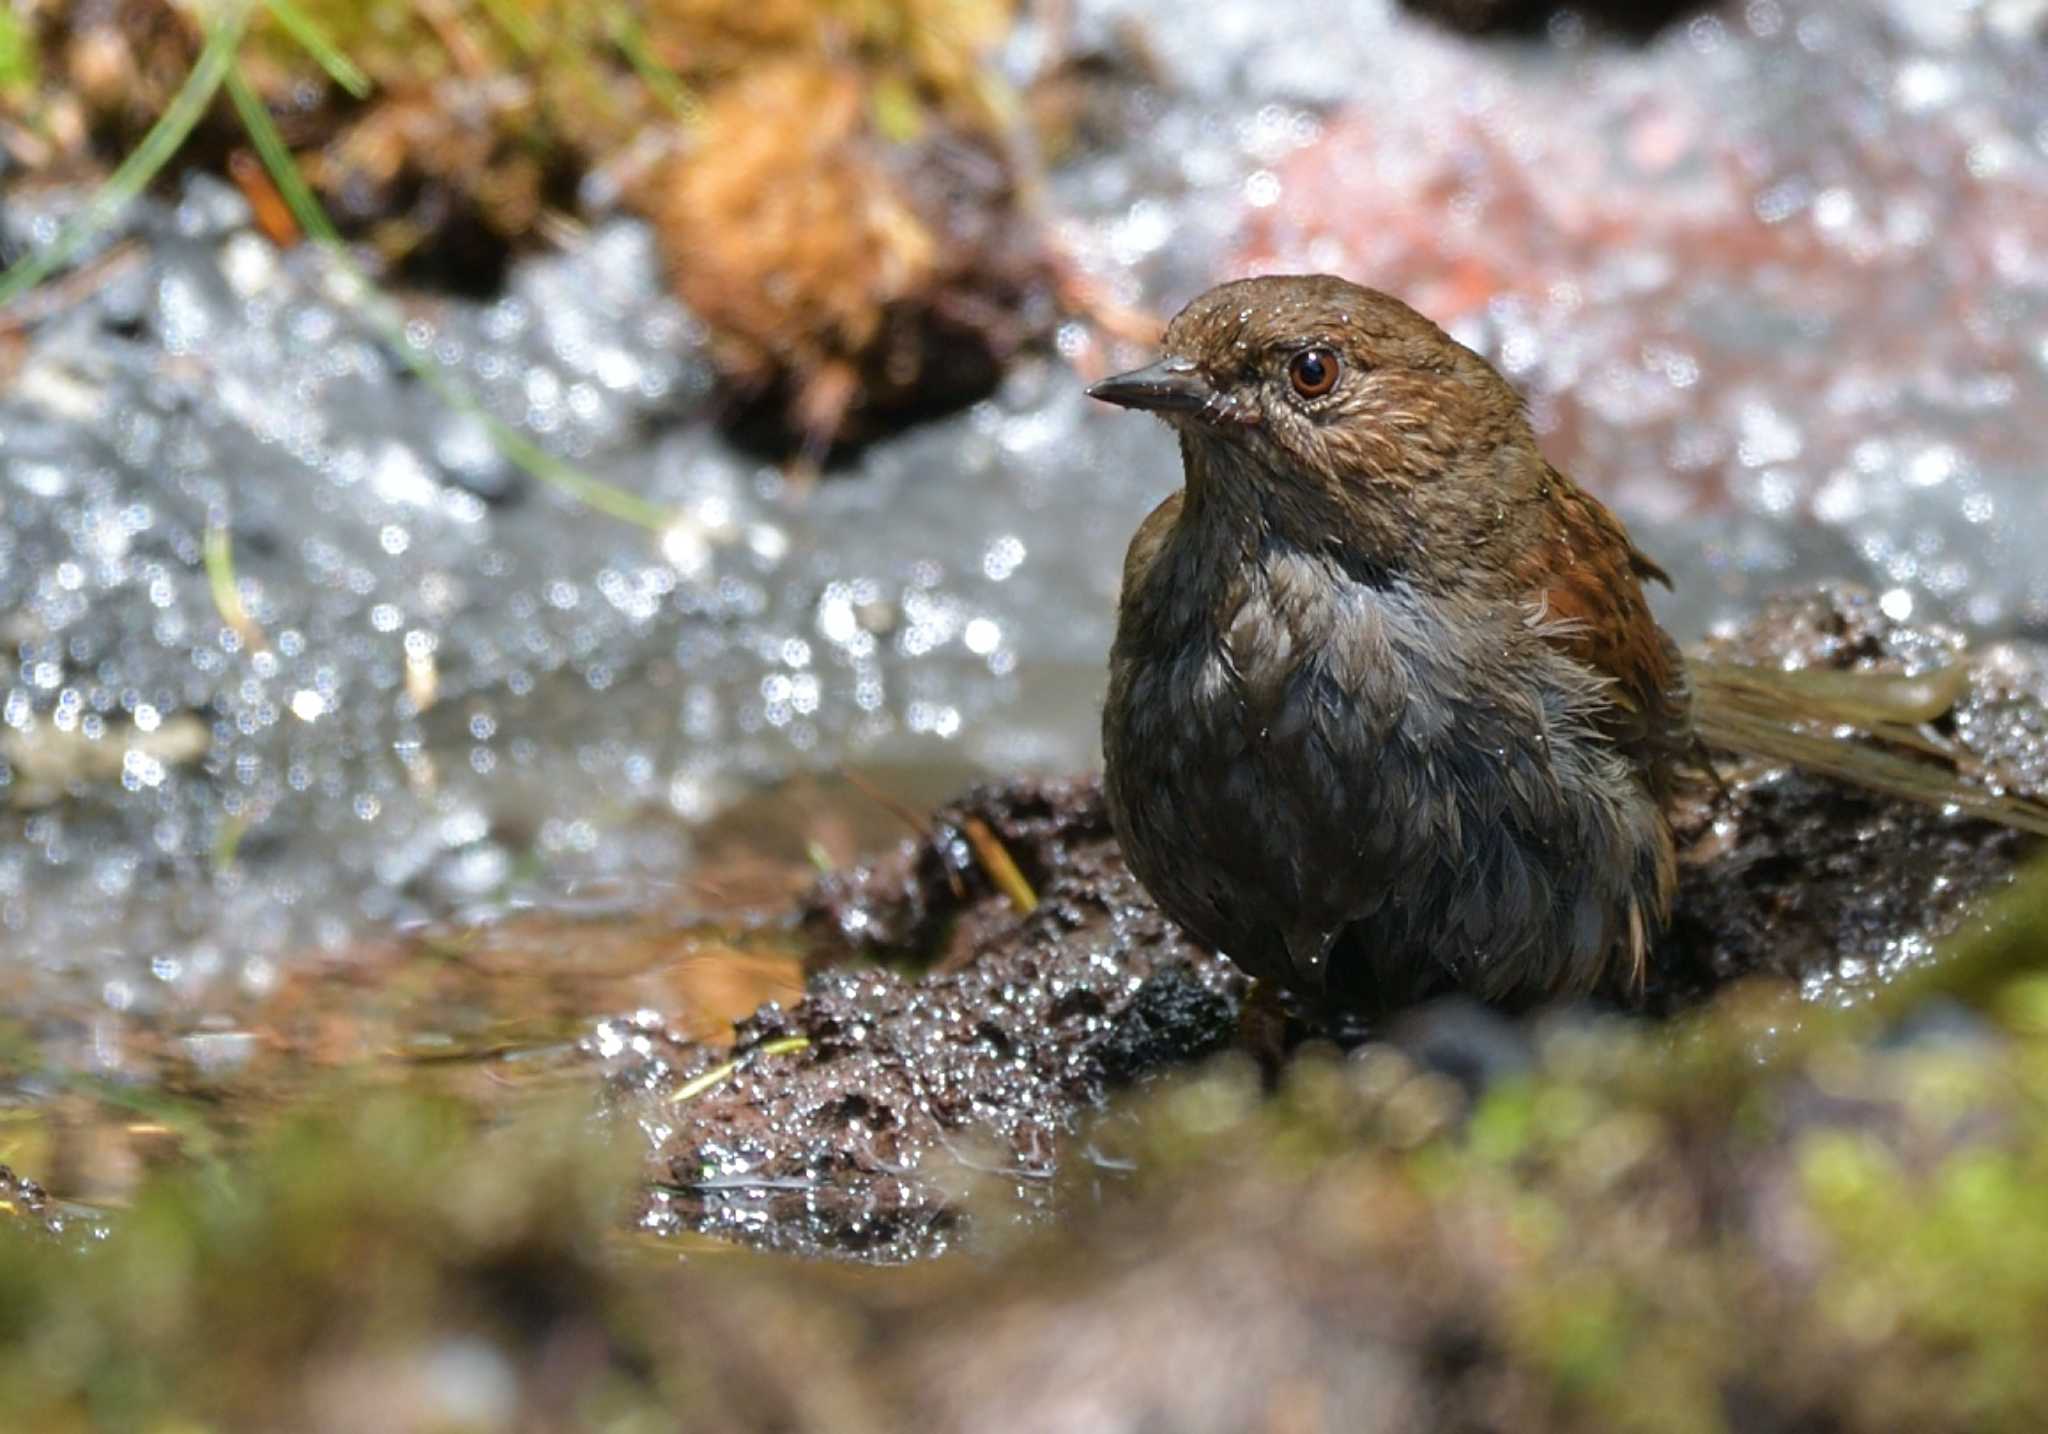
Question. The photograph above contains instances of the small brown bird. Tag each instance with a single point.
(1388, 712)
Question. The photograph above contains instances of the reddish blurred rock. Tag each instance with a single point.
(1776, 261)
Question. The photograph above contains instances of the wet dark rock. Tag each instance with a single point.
(857, 1110)
(23, 1195)
(25, 1205)
(1796, 877)
(909, 904)
(977, 1068)
(1176, 1018)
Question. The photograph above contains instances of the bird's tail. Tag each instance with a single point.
(1873, 730)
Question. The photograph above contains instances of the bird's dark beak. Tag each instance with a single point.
(1173, 385)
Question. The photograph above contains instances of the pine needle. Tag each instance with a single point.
(718, 1075)
(1002, 870)
(217, 552)
(315, 41)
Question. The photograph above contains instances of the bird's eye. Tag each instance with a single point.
(1313, 372)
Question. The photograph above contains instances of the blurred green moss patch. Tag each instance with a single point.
(390, 1259)
(1763, 1216)
(17, 57)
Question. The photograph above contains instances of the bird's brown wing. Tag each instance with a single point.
(1586, 581)
(1585, 585)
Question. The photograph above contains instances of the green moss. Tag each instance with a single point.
(357, 1235)
(18, 66)
(1942, 1269)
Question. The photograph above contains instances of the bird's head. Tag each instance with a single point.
(1317, 384)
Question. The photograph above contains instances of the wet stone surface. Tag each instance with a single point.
(1836, 890)
(910, 1091)
(26, 1205)
(910, 1085)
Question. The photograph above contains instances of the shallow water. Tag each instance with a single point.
(1774, 283)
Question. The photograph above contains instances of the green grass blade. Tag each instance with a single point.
(661, 81)
(277, 158)
(315, 41)
(594, 493)
(517, 27)
(134, 172)
(18, 64)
